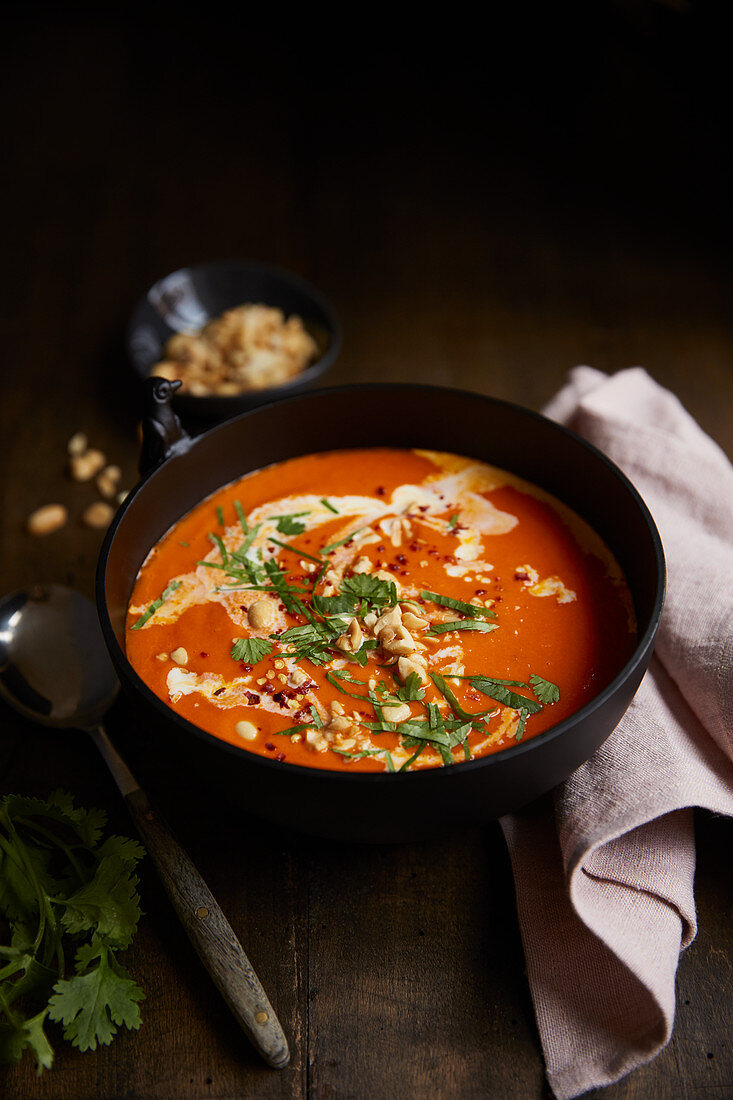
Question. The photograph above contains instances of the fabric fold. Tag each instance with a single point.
(604, 871)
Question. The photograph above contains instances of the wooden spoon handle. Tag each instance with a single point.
(210, 933)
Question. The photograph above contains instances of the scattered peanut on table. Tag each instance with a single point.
(49, 518)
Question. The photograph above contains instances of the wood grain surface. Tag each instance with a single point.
(473, 227)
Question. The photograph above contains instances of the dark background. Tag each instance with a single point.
(488, 197)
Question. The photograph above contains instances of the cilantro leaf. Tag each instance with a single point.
(343, 604)
(373, 589)
(20, 1035)
(251, 650)
(288, 525)
(93, 1003)
(545, 691)
(108, 904)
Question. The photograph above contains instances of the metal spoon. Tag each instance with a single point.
(54, 669)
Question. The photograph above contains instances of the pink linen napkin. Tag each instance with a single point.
(604, 871)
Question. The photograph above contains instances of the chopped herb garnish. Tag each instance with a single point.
(472, 610)
(241, 516)
(155, 605)
(295, 549)
(294, 729)
(182, 543)
(251, 650)
(456, 707)
(462, 624)
(522, 723)
(217, 540)
(327, 504)
(220, 516)
(343, 674)
(316, 717)
(374, 590)
(412, 691)
(453, 521)
(241, 553)
(390, 762)
(341, 542)
(412, 759)
(546, 692)
(498, 690)
(334, 605)
(289, 525)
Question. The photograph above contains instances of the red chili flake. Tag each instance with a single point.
(404, 572)
(280, 757)
(279, 698)
(202, 654)
(269, 746)
(281, 606)
(434, 553)
(414, 546)
(401, 559)
(380, 548)
(380, 490)
(521, 575)
(252, 698)
(479, 591)
(393, 567)
(219, 691)
(496, 599)
(303, 689)
(245, 668)
(449, 558)
(423, 507)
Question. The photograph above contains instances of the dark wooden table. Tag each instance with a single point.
(470, 232)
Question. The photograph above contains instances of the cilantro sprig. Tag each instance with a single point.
(69, 898)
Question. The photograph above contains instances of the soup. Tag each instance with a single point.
(379, 609)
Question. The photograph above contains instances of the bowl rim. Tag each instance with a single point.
(312, 371)
(638, 657)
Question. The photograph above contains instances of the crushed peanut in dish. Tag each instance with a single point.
(250, 347)
(379, 609)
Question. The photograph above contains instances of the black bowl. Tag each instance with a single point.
(187, 299)
(382, 806)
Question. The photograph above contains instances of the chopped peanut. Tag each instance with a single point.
(84, 466)
(98, 515)
(246, 730)
(261, 615)
(49, 518)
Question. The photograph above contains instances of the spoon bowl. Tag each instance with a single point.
(54, 666)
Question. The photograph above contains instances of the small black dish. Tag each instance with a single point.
(187, 299)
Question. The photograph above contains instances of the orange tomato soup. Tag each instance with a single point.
(379, 609)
